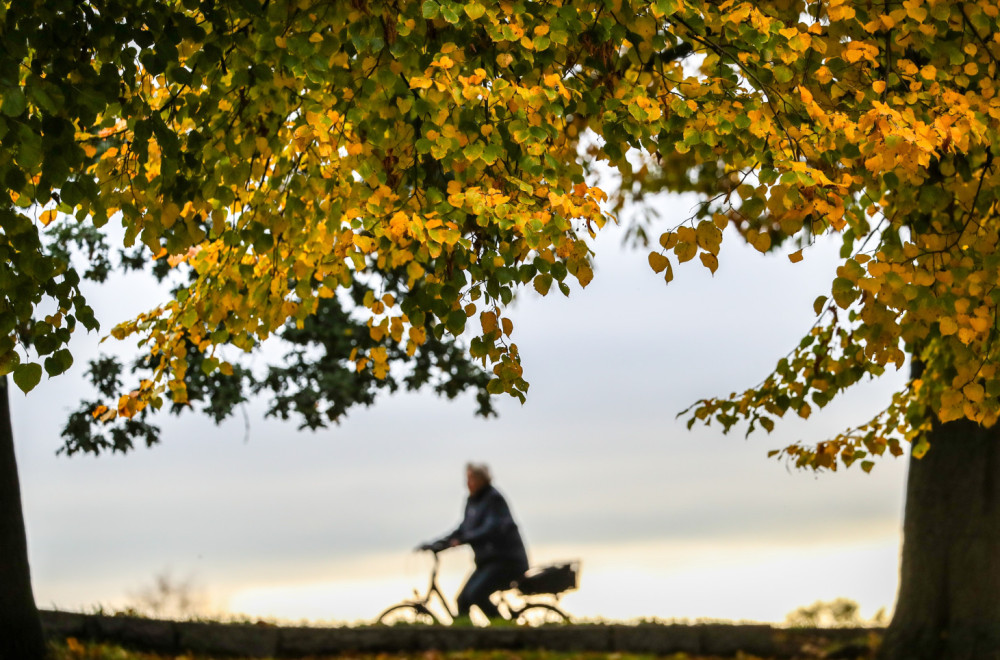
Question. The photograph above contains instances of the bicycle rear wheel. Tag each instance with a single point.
(540, 614)
(407, 614)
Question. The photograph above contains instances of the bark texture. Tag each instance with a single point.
(948, 606)
(20, 626)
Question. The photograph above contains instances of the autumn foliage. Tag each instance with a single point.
(282, 150)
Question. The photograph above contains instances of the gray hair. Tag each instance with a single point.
(480, 471)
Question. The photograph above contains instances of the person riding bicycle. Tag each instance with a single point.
(489, 528)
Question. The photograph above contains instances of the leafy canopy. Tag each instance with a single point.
(283, 150)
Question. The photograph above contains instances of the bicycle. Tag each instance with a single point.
(549, 581)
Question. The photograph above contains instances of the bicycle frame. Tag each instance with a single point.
(434, 590)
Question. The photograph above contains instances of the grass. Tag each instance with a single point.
(72, 649)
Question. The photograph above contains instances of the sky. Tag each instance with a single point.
(265, 520)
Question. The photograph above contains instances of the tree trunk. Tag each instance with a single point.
(949, 594)
(20, 627)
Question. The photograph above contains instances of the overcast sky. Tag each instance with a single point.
(273, 521)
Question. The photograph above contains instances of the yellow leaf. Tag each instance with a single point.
(584, 274)
(47, 216)
(686, 235)
(508, 327)
(658, 262)
(947, 326)
(414, 271)
(668, 240)
(710, 261)
(685, 251)
(488, 321)
(763, 242)
(973, 392)
(795, 257)
(915, 11)
(708, 236)
(474, 10)
(420, 82)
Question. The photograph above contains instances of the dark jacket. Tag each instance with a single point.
(489, 528)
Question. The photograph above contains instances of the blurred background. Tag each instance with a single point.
(258, 518)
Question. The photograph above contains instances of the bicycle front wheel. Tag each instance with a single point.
(407, 614)
(540, 614)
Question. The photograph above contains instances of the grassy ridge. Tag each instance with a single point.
(72, 649)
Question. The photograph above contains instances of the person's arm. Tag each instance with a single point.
(495, 519)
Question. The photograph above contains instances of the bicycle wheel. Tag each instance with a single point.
(540, 614)
(407, 614)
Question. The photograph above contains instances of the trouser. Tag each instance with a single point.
(484, 581)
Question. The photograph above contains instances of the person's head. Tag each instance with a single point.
(477, 477)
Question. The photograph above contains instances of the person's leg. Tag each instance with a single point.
(471, 592)
(484, 581)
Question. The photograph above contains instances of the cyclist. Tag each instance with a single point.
(489, 528)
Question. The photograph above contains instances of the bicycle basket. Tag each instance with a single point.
(552, 579)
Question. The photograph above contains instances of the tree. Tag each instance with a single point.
(20, 627)
(61, 68)
(882, 129)
(279, 152)
(65, 74)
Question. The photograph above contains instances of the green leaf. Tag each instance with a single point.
(456, 322)
(558, 270)
(473, 151)
(209, 365)
(40, 96)
(26, 376)
(783, 74)
(58, 362)
(491, 153)
(430, 9)
(844, 292)
(14, 102)
(29, 153)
